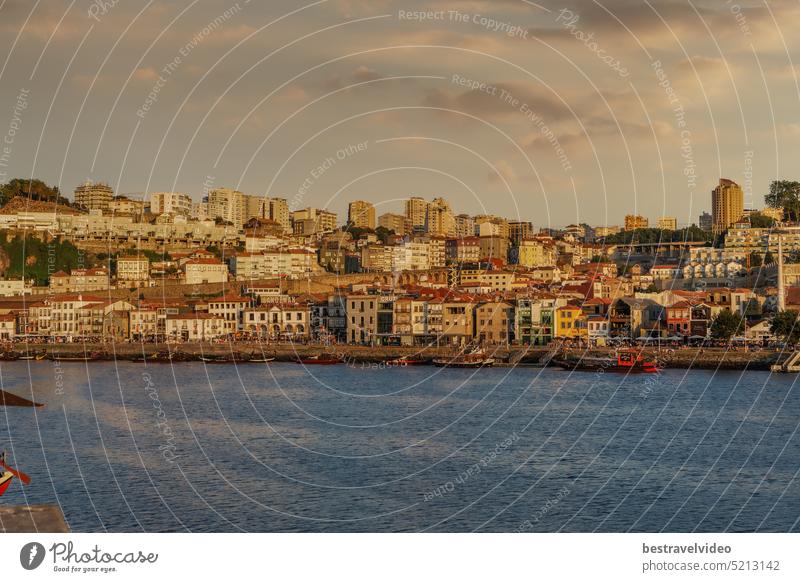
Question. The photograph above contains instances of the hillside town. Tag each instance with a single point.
(235, 267)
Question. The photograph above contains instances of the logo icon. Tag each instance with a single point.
(31, 555)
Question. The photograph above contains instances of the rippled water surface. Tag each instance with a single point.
(283, 448)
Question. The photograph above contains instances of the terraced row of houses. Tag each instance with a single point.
(382, 315)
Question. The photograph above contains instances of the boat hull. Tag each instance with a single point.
(456, 364)
(403, 363)
(610, 367)
(5, 481)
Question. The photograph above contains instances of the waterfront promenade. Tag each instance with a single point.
(708, 358)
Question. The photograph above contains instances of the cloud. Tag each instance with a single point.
(363, 73)
(148, 74)
(502, 173)
(490, 103)
(360, 74)
(46, 20)
(789, 129)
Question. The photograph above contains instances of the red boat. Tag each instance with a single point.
(404, 361)
(627, 362)
(8, 474)
(5, 481)
(319, 360)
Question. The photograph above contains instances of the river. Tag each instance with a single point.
(126, 446)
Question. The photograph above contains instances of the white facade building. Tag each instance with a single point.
(170, 203)
(199, 271)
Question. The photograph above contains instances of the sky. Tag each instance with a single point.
(553, 112)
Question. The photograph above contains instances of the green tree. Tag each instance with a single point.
(654, 236)
(32, 258)
(32, 189)
(726, 324)
(758, 220)
(785, 194)
(756, 260)
(357, 232)
(156, 256)
(784, 325)
(383, 234)
(769, 258)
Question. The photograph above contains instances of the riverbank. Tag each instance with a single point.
(680, 358)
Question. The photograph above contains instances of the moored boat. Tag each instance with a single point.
(626, 361)
(78, 357)
(5, 481)
(319, 360)
(407, 361)
(8, 473)
(229, 359)
(473, 359)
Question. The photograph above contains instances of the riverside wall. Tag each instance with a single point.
(682, 358)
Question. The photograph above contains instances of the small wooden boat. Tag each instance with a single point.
(237, 359)
(627, 361)
(474, 359)
(319, 360)
(78, 357)
(40, 357)
(407, 361)
(165, 356)
(5, 481)
(260, 360)
(8, 473)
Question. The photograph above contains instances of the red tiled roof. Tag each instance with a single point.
(230, 299)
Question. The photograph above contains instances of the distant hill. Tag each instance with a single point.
(20, 204)
(32, 189)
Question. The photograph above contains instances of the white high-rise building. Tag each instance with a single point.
(226, 204)
(465, 225)
(93, 195)
(361, 214)
(279, 212)
(170, 203)
(440, 220)
(417, 213)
